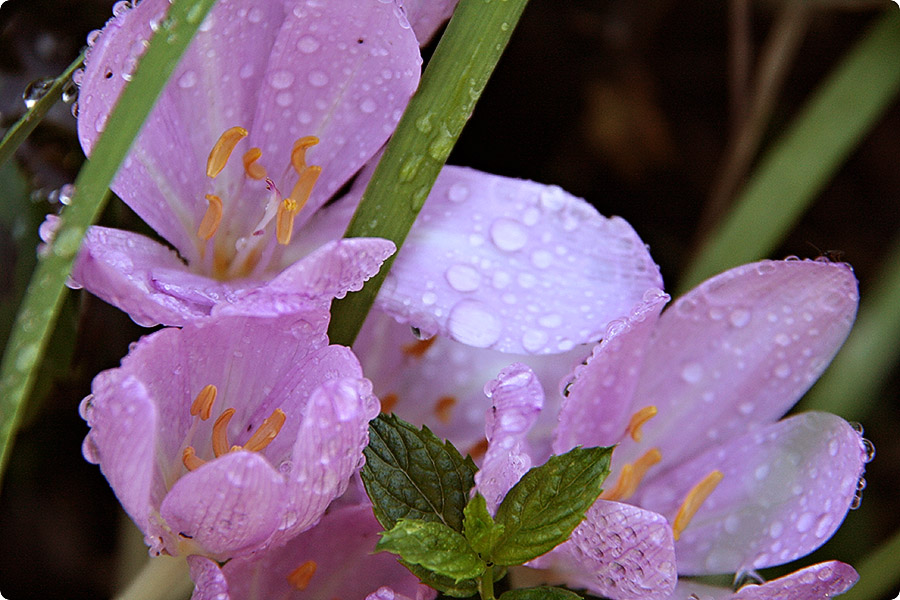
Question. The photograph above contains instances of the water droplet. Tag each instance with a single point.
(36, 90)
(746, 408)
(458, 192)
(508, 235)
(246, 71)
(429, 298)
(782, 371)
(92, 37)
(307, 44)
(541, 259)
(284, 99)
(783, 339)
(120, 8)
(90, 451)
(255, 15)
(869, 450)
(318, 78)
(27, 355)
(187, 80)
(474, 323)
(534, 340)
(692, 372)
(281, 80)
(550, 321)
(805, 522)
(463, 278)
(368, 106)
(739, 318)
(65, 194)
(70, 92)
(423, 123)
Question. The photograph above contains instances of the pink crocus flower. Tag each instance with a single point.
(318, 88)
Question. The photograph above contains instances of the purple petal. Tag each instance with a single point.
(328, 449)
(341, 546)
(495, 263)
(143, 278)
(786, 489)
(740, 350)
(599, 401)
(122, 440)
(230, 505)
(691, 590)
(517, 401)
(619, 551)
(426, 16)
(209, 580)
(817, 582)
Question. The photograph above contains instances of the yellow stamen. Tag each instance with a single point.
(637, 421)
(695, 498)
(210, 223)
(290, 206)
(418, 348)
(251, 168)
(388, 402)
(631, 475)
(444, 408)
(263, 436)
(220, 433)
(222, 150)
(190, 460)
(203, 403)
(301, 576)
(298, 154)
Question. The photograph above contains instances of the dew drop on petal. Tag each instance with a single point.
(474, 323)
(463, 278)
(740, 317)
(187, 80)
(508, 235)
(692, 372)
(458, 192)
(318, 79)
(368, 106)
(308, 44)
(534, 340)
(281, 80)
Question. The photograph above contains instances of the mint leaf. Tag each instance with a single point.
(540, 511)
(433, 546)
(479, 527)
(442, 583)
(411, 474)
(540, 593)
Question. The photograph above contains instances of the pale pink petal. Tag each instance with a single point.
(517, 399)
(426, 16)
(209, 580)
(619, 551)
(599, 401)
(786, 489)
(817, 582)
(515, 266)
(227, 506)
(738, 351)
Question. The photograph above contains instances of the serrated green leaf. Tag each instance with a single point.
(540, 593)
(540, 511)
(433, 546)
(479, 527)
(442, 583)
(411, 474)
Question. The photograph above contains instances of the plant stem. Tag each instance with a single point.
(162, 578)
(486, 589)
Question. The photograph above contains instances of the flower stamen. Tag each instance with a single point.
(220, 433)
(443, 410)
(418, 348)
(190, 459)
(290, 206)
(694, 500)
(210, 223)
(298, 154)
(301, 576)
(631, 475)
(251, 167)
(637, 421)
(221, 151)
(263, 436)
(203, 403)
(388, 402)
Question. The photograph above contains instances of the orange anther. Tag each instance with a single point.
(251, 168)
(479, 449)
(638, 419)
(694, 500)
(203, 403)
(418, 348)
(298, 154)
(631, 475)
(290, 206)
(190, 460)
(263, 436)
(210, 223)
(388, 402)
(444, 408)
(222, 150)
(301, 576)
(220, 433)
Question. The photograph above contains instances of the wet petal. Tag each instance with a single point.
(817, 582)
(209, 581)
(517, 401)
(786, 489)
(427, 16)
(619, 551)
(230, 505)
(740, 350)
(600, 398)
(495, 263)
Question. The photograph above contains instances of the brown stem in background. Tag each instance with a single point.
(740, 55)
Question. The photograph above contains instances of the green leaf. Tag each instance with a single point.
(540, 593)
(451, 85)
(35, 320)
(433, 546)
(442, 583)
(540, 511)
(479, 527)
(411, 474)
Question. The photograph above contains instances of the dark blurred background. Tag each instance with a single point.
(630, 104)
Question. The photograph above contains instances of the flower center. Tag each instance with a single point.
(244, 256)
(202, 408)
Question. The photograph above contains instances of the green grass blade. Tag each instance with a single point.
(878, 573)
(43, 298)
(451, 85)
(24, 126)
(802, 161)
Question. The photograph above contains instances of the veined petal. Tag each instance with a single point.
(342, 71)
(600, 398)
(229, 505)
(209, 581)
(517, 401)
(427, 16)
(786, 489)
(496, 263)
(328, 448)
(619, 551)
(739, 350)
(816, 582)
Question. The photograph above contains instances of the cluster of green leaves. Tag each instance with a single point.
(420, 489)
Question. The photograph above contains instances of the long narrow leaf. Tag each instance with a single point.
(805, 158)
(43, 298)
(450, 87)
